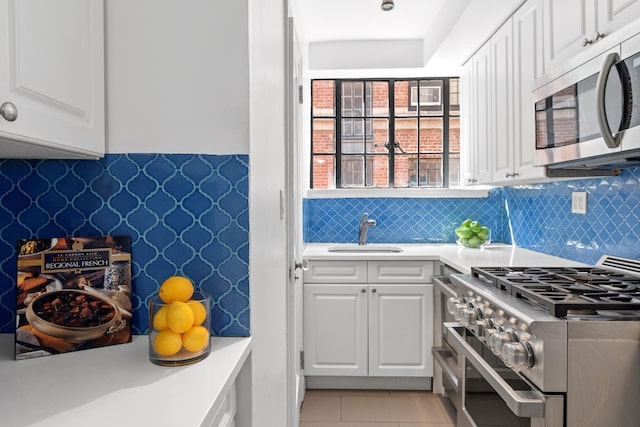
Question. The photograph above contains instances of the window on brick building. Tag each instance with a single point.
(385, 133)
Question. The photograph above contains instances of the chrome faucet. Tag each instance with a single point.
(364, 227)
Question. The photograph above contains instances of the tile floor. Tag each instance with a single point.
(373, 408)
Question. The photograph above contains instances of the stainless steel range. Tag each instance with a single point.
(548, 346)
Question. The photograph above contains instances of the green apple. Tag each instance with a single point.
(483, 233)
(475, 242)
(465, 232)
(475, 226)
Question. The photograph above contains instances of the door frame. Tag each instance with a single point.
(292, 209)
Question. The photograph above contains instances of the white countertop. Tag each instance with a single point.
(115, 386)
(462, 259)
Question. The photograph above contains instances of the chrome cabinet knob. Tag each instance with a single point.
(598, 36)
(8, 111)
(517, 355)
(586, 42)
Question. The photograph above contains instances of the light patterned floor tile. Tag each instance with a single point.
(393, 409)
(320, 408)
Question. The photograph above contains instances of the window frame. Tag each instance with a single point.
(338, 116)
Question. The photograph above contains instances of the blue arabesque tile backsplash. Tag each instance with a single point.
(186, 214)
(539, 216)
(400, 220)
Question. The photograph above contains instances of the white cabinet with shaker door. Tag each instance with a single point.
(52, 102)
(578, 30)
(374, 324)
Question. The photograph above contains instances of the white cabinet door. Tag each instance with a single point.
(481, 137)
(335, 329)
(52, 71)
(528, 66)
(467, 122)
(400, 330)
(614, 14)
(567, 24)
(501, 110)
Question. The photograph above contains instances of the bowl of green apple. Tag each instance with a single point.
(472, 234)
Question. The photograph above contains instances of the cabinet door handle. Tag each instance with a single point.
(586, 42)
(599, 36)
(373, 290)
(8, 111)
(363, 290)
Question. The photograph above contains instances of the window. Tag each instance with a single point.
(389, 133)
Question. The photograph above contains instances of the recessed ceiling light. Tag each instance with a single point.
(387, 5)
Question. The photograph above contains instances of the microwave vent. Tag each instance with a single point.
(629, 266)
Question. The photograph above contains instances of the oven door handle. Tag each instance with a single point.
(522, 404)
(439, 282)
(439, 354)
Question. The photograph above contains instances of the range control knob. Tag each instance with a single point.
(517, 355)
(451, 303)
(497, 340)
(469, 316)
(490, 331)
(459, 308)
(481, 327)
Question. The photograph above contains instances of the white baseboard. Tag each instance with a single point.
(371, 383)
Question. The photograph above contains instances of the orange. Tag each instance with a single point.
(167, 343)
(176, 288)
(179, 317)
(199, 311)
(195, 339)
(160, 319)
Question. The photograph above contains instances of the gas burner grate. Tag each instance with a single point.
(560, 290)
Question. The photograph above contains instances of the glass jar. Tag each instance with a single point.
(476, 240)
(180, 332)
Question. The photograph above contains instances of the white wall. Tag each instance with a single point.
(268, 263)
(207, 76)
(177, 76)
(365, 54)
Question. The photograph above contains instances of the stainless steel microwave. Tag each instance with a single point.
(589, 118)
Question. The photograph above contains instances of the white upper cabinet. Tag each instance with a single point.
(614, 14)
(577, 30)
(568, 23)
(501, 112)
(481, 137)
(52, 76)
(528, 65)
(467, 135)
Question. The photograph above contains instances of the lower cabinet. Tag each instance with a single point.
(226, 414)
(370, 329)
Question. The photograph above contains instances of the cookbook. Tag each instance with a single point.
(72, 293)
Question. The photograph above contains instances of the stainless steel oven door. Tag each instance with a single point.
(494, 395)
(448, 363)
(447, 371)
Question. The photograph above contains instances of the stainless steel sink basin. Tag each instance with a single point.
(364, 249)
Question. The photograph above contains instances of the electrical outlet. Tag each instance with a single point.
(579, 202)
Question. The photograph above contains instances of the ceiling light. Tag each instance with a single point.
(387, 5)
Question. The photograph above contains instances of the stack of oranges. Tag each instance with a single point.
(179, 321)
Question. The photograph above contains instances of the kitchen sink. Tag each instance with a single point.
(364, 249)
